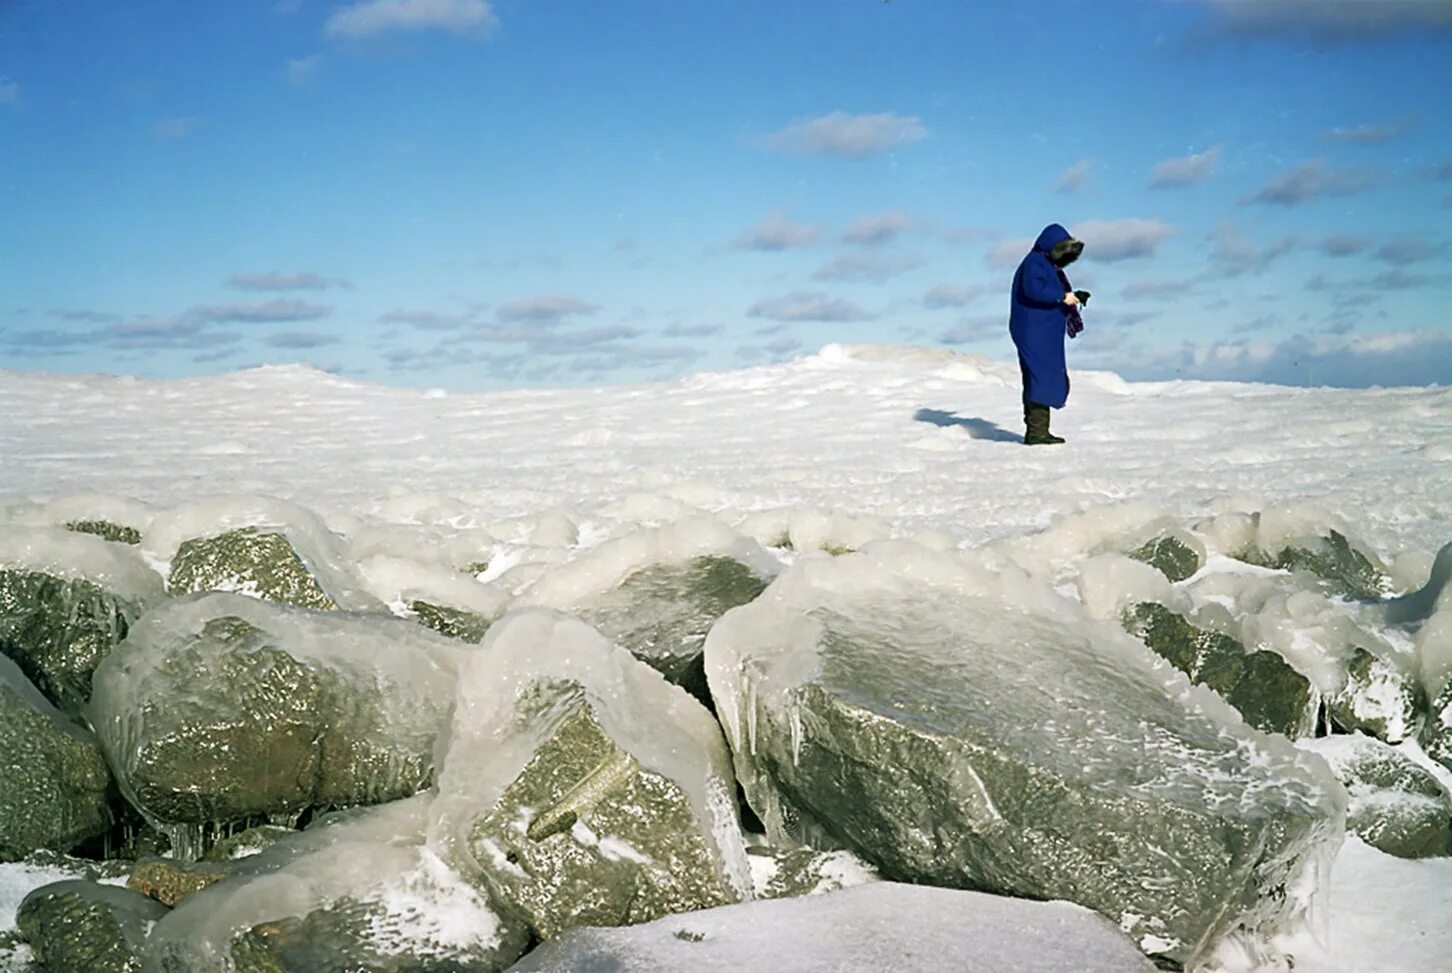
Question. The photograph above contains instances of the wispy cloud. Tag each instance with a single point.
(1185, 170)
(161, 333)
(879, 228)
(1312, 181)
(692, 330)
(950, 295)
(547, 310)
(1371, 134)
(278, 281)
(1007, 253)
(1233, 255)
(848, 136)
(172, 129)
(1342, 245)
(425, 320)
(975, 328)
(1072, 179)
(867, 267)
(1411, 250)
(1348, 360)
(805, 306)
(268, 312)
(302, 70)
(463, 18)
(1114, 240)
(777, 232)
(86, 315)
(1340, 20)
(301, 339)
(1151, 289)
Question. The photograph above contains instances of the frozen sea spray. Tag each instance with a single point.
(881, 926)
(66, 599)
(972, 729)
(1397, 806)
(219, 707)
(582, 787)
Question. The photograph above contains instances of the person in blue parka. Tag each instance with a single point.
(1044, 309)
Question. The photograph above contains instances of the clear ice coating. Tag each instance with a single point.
(880, 926)
(968, 728)
(218, 707)
(572, 765)
(356, 891)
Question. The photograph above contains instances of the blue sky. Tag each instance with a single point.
(477, 195)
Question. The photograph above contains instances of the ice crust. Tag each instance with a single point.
(81, 557)
(491, 740)
(880, 926)
(956, 651)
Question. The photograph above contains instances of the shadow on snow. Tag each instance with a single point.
(977, 428)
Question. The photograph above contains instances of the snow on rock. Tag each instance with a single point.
(114, 517)
(1397, 806)
(965, 727)
(66, 599)
(779, 873)
(54, 785)
(581, 786)
(257, 546)
(217, 707)
(880, 926)
(356, 891)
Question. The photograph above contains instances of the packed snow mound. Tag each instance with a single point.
(881, 926)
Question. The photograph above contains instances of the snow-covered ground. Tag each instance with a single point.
(899, 441)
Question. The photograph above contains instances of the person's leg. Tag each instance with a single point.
(1036, 422)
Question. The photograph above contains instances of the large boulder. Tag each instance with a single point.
(1397, 805)
(882, 926)
(249, 561)
(55, 788)
(1381, 696)
(357, 891)
(66, 599)
(973, 729)
(79, 925)
(581, 787)
(220, 708)
(1262, 686)
(656, 593)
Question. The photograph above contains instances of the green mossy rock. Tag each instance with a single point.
(1345, 570)
(1380, 698)
(58, 630)
(1269, 694)
(1173, 558)
(1397, 805)
(82, 927)
(119, 533)
(661, 614)
(248, 561)
(585, 836)
(55, 788)
(453, 622)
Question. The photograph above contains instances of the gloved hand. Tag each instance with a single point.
(1083, 296)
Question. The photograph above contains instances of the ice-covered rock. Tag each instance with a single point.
(77, 925)
(656, 593)
(1175, 554)
(169, 880)
(1381, 696)
(882, 926)
(1299, 539)
(804, 529)
(582, 787)
(219, 707)
(779, 873)
(357, 891)
(453, 623)
(1262, 687)
(1397, 805)
(971, 728)
(107, 530)
(54, 785)
(257, 546)
(66, 599)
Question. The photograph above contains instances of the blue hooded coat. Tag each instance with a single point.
(1036, 321)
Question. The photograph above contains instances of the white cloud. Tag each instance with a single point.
(1073, 178)
(1114, 240)
(1311, 181)
(300, 70)
(1342, 245)
(869, 267)
(425, 320)
(801, 306)
(848, 136)
(1371, 134)
(1185, 170)
(551, 309)
(1233, 254)
(464, 18)
(778, 232)
(1148, 289)
(1411, 250)
(279, 281)
(692, 330)
(880, 228)
(268, 312)
(950, 295)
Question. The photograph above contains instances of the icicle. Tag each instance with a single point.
(794, 714)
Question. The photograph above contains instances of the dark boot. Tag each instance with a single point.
(1036, 423)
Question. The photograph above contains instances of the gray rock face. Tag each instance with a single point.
(585, 836)
(661, 614)
(55, 787)
(219, 708)
(1396, 805)
(882, 926)
(786, 873)
(58, 630)
(249, 561)
(81, 926)
(1261, 685)
(1343, 568)
(1170, 555)
(961, 729)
